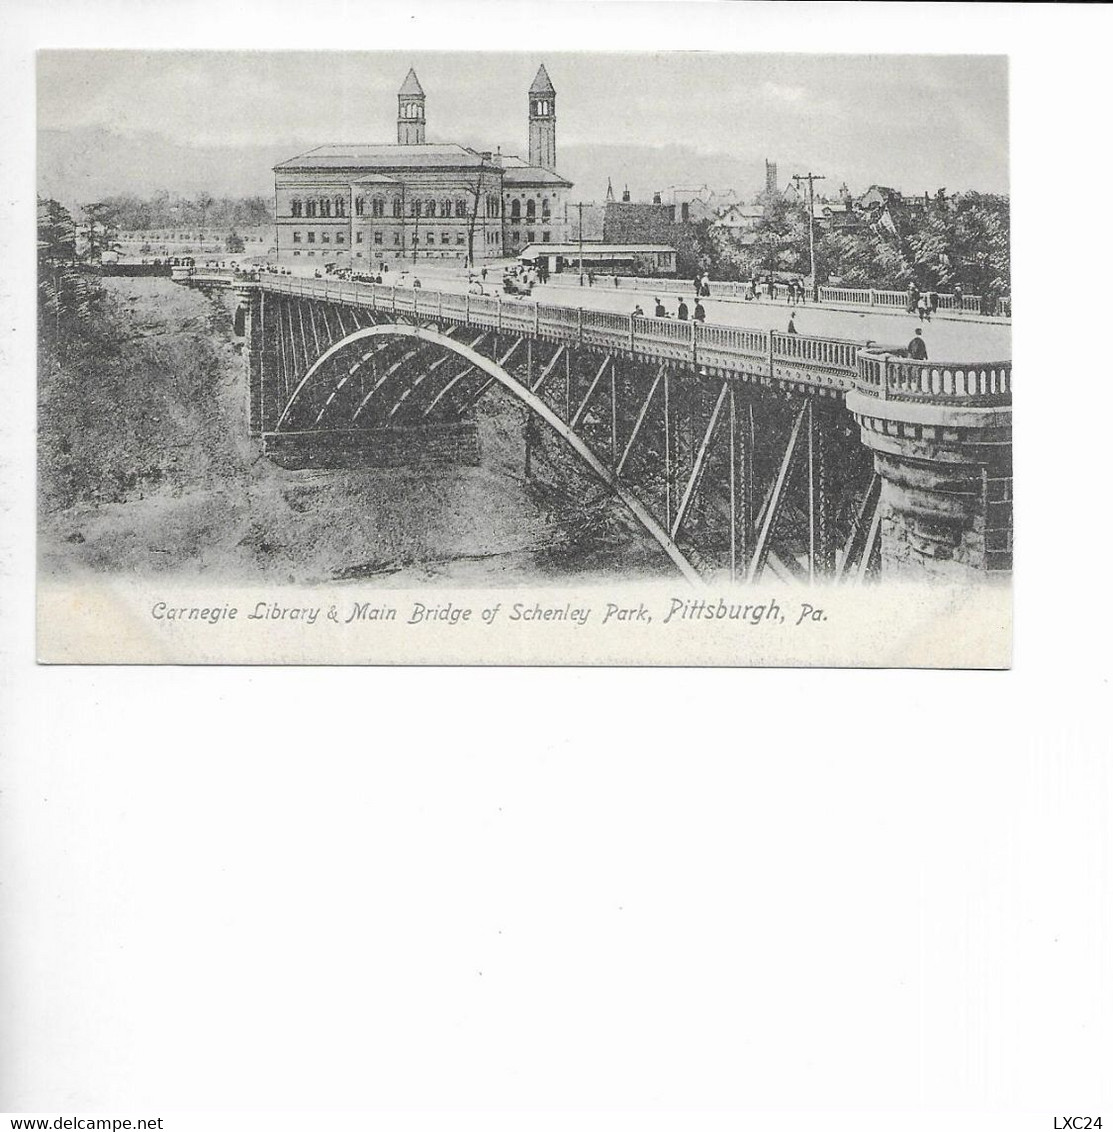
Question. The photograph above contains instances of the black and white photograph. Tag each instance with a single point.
(520, 607)
(364, 324)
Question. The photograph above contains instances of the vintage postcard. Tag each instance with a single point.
(548, 358)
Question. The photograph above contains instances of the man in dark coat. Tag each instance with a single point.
(660, 311)
(682, 311)
(699, 314)
(792, 323)
(917, 348)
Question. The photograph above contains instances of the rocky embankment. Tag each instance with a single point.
(145, 468)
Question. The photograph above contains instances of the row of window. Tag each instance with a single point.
(531, 210)
(336, 206)
(326, 237)
(321, 206)
(446, 237)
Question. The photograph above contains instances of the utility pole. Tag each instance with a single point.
(811, 178)
(580, 206)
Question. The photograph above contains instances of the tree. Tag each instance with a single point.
(57, 243)
(203, 204)
(476, 191)
(98, 215)
(234, 244)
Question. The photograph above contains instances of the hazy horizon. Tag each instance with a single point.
(118, 121)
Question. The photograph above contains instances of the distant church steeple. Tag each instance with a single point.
(411, 111)
(542, 121)
(610, 191)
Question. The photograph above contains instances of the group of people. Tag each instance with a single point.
(697, 313)
(794, 290)
(924, 304)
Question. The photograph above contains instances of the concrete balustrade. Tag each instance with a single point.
(941, 435)
(898, 300)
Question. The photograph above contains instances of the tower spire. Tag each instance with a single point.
(542, 121)
(411, 111)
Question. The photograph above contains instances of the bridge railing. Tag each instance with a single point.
(830, 360)
(981, 384)
(214, 275)
(897, 300)
(828, 295)
(829, 353)
(556, 322)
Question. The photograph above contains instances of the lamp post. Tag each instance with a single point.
(580, 207)
(811, 178)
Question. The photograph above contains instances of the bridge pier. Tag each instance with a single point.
(249, 322)
(946, 478)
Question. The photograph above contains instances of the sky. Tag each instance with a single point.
(913, 122)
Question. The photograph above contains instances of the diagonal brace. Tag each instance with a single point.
(591, 389)
(548, 370)
(697, 467)
(638, 423)
(772, 512)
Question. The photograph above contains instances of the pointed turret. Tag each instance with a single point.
(610, 191)
(542, 84)
(542, 121)
(411, 111)
(410, 85)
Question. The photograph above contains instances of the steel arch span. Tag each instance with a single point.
(523, 394)
(678, 446)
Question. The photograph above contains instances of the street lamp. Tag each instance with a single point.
(811, 178)
(580, 206)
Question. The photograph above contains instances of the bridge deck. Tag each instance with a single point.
(808, 363)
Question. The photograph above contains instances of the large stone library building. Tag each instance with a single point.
(357, 205)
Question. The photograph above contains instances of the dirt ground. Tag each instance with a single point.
(145, 467)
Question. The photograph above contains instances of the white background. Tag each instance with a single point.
(534, 898)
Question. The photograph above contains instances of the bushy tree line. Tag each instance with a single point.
(202, 211)
(962, 239)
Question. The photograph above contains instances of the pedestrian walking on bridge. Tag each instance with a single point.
(792, 323)
(917, 348)
(699, 314)
(682, 311)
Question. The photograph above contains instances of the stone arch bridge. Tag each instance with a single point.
(744, 453)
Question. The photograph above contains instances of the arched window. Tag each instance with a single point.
(295, 208)
(415, 207)
(341, 206)
(531, 210)
(326, 206)
(377, 206)
(545, 208)
(515, 210)
(310, 208)
(359, 206)
(462, 208)
(446, 207)
(396, 206)
(430, 208)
